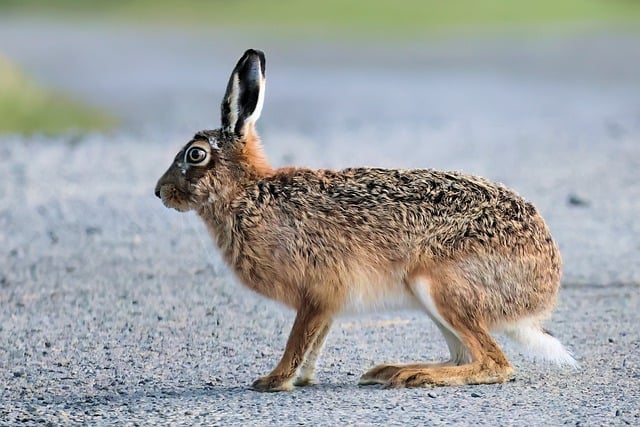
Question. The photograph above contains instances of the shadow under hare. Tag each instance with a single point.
(471, 254)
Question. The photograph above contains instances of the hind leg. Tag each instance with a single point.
(488, 367)
(478, 358)
(381, 374)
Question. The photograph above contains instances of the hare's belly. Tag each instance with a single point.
(378, 295)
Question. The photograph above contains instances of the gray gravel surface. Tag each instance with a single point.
(114, 310)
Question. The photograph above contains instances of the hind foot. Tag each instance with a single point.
(448, 376)
(381, 374)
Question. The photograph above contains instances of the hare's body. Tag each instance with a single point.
(472, 254)
(366, 232)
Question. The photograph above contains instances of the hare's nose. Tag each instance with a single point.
(158, 193)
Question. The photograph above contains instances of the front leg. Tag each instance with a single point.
(306, 376)
(310, 322)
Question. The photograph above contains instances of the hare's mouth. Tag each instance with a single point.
(173, 198)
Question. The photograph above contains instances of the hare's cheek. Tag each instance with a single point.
(201, 193)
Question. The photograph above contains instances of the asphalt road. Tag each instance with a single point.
(115, 310)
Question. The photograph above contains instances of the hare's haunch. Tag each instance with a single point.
(473, 255)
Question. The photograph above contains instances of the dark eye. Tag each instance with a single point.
(196, 155)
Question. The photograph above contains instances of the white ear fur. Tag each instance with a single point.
(232, 100)
(253, 117)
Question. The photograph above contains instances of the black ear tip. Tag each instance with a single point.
(255, 52)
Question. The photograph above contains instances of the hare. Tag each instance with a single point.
(471, 254)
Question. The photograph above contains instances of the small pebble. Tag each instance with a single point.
(575, 200)
(90, 231)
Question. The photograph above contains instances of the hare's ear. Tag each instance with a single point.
(242, 103)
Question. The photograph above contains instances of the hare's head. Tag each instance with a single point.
(215, 162)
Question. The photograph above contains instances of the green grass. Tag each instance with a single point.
(26, 107)
(409, 17)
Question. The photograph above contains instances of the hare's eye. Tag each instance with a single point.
(196, 155)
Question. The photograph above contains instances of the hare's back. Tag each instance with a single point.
(434, 194)
(440, 193)
(425, 203)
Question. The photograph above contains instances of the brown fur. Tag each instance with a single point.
(325, 241)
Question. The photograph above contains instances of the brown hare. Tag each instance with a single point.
(473, 255)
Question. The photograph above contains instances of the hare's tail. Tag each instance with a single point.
(540, 343)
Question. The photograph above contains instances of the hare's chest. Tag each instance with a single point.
(267, 278)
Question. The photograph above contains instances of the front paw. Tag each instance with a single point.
(272, 383)
(304, 381)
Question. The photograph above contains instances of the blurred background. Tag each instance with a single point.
(74, 65)
(107, 297)
(542, 96)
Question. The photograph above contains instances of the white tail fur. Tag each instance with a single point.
(540, 343)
